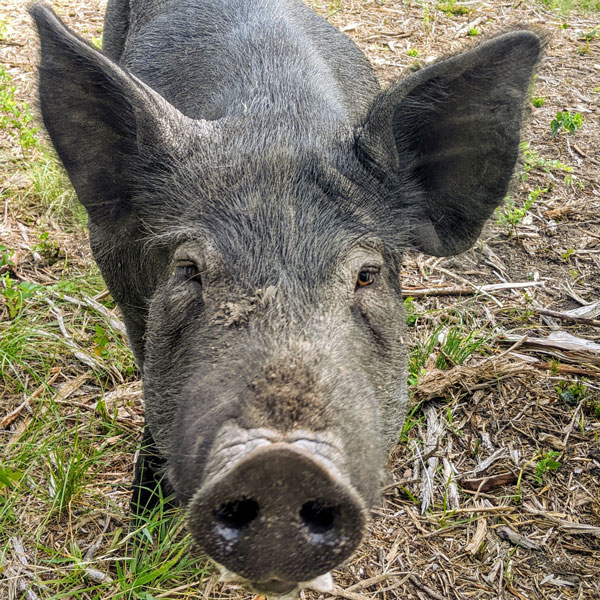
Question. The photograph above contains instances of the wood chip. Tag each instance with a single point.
(552, 440)
(97, 576)
(426, 588)
(435, 431)
(13, 415)
(475, 544)
(579, 528)
(70, 387)
(560, 340)
(18, 579)
(457, 290)
(484, 484)
(506, 533)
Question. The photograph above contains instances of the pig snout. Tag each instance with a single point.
(278, 516)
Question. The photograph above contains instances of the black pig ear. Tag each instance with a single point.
(452, 130)
(100, 119)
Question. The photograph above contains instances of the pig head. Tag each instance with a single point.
(251, 192)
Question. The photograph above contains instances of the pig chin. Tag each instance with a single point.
(276, 510)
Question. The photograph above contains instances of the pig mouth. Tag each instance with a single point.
(276, 589)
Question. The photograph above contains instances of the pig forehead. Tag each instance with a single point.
(274, 241)
(288, 221)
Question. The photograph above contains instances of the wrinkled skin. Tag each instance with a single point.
(251, 193)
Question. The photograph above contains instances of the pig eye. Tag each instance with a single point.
(188, 271)
(366, 277)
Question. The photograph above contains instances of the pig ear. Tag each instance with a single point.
(102, 121)
(450, 133)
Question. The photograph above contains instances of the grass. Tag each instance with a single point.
(133, 563)
(15, 116)
(446, 346)
(57, 476)
(61, 363)
(50, 189)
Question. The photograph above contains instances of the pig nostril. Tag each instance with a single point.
(318, 517)
(237, 514)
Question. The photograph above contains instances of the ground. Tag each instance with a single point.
(494, 487)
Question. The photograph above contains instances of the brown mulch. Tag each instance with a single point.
(467, 512)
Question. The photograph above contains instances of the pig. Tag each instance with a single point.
(251, 191)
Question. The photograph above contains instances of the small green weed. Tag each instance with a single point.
(16, 117)
(538, 101)
(5, 30)
(571, 392)
(473, 32)
(410, 311)
(567, 121)
(589, 36)
(452, 9)
(100, 342)
(511, 215)
(572, 181)
(15, 293)
(546, 462)
(426, 17)
(334, 7)
(535, 194)
(412, 52)
(567, 254)
(533, 160)
(9, 477)
(48, 249)
(6, 256)
(112, 351)
(574, 393)
(10, 480)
